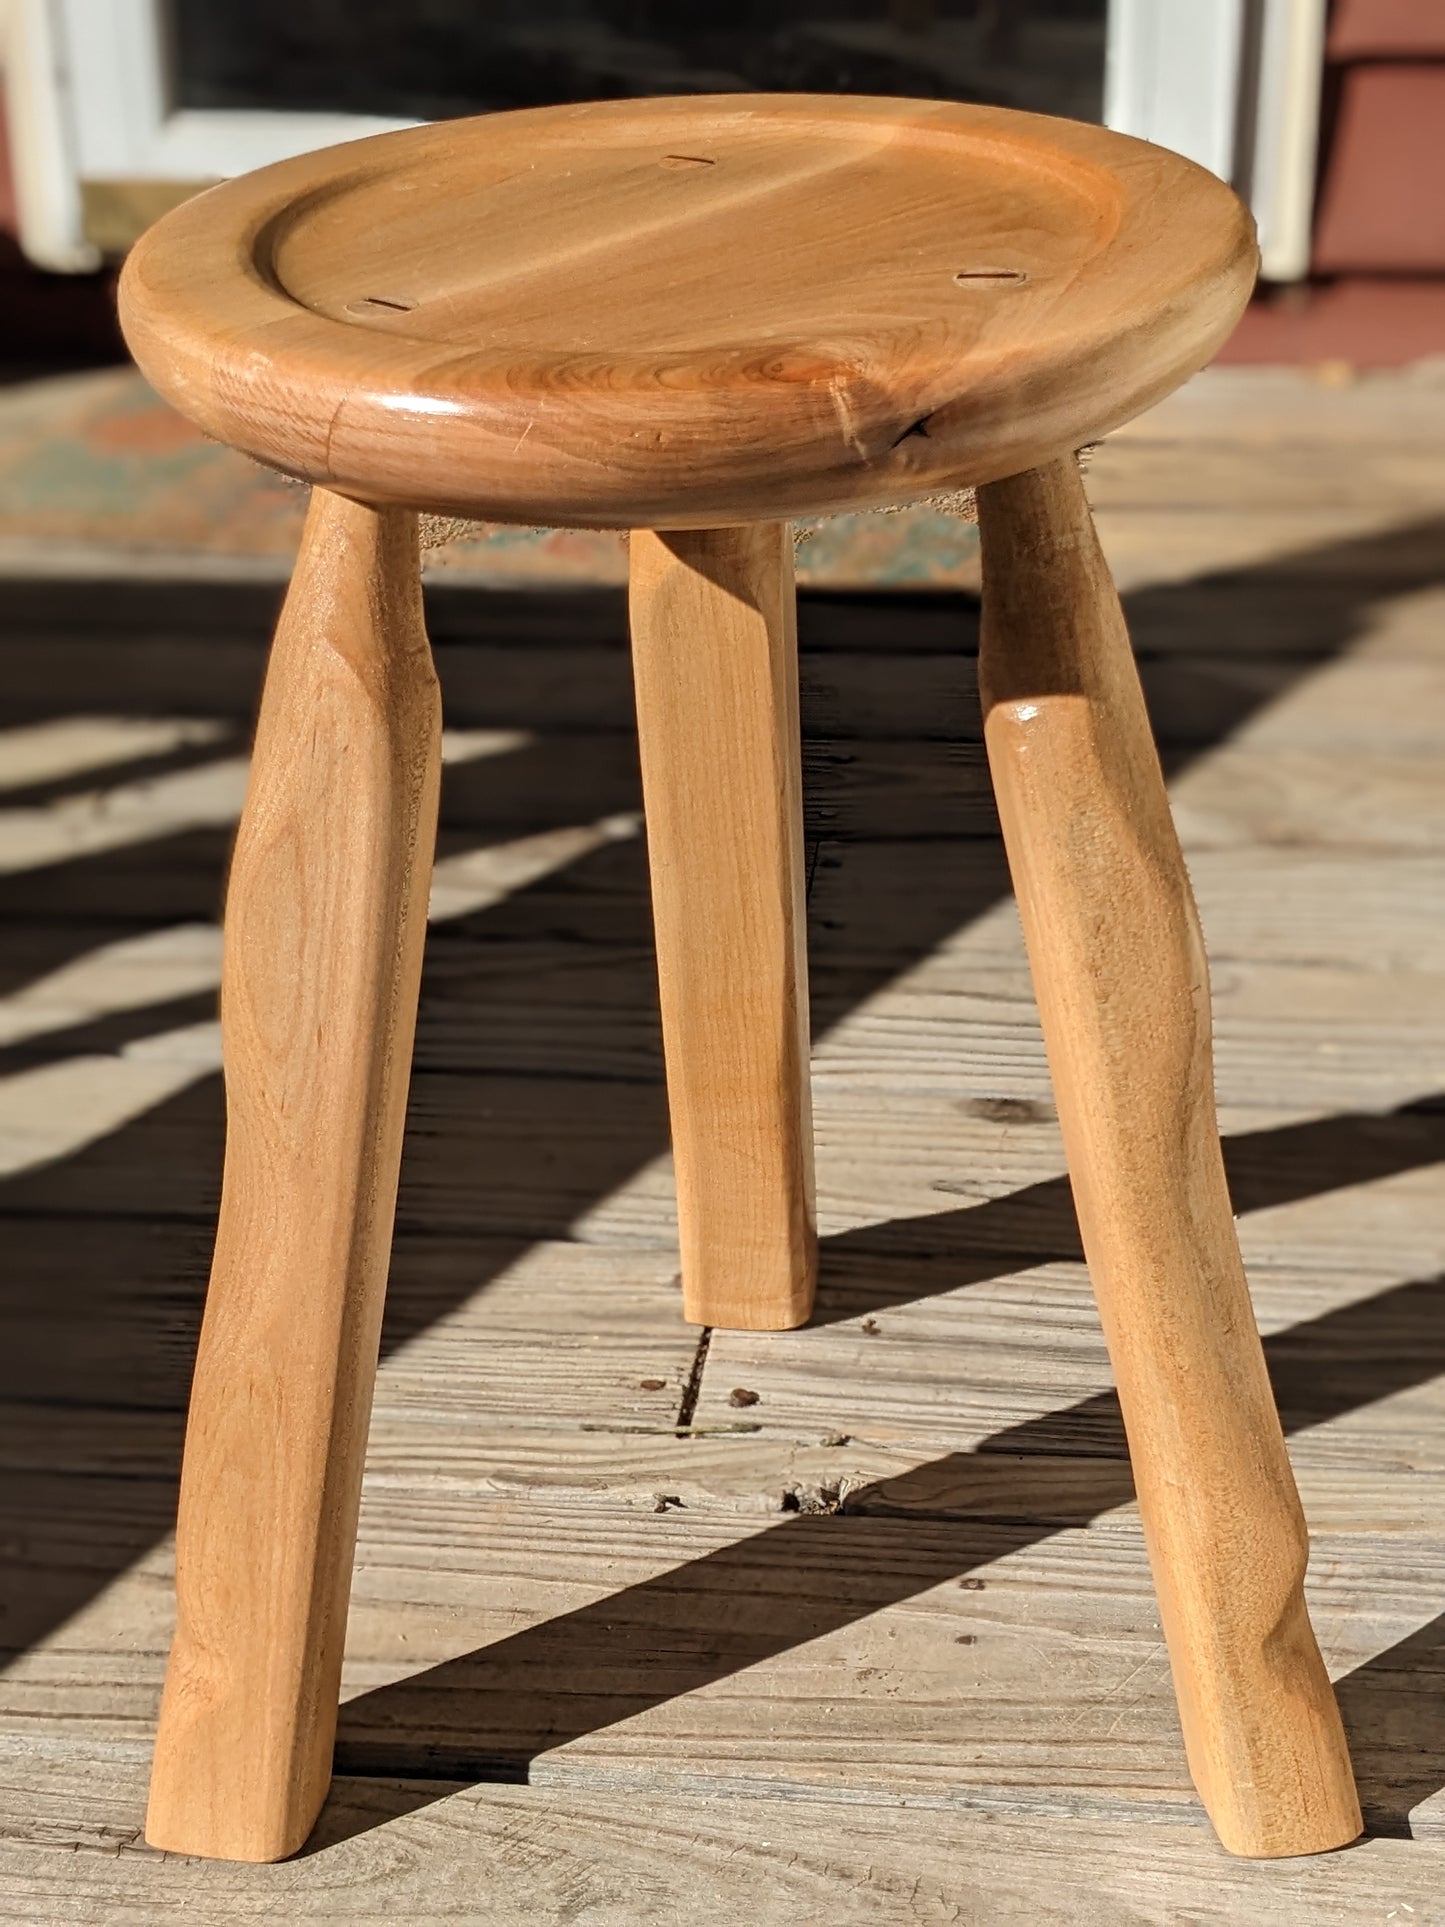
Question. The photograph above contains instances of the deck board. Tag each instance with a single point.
(496, 1855)
(876, 1642)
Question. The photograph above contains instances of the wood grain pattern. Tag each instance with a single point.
(793, 1621)
(510, 1477)
(493, 1855)
(1122, 984)
(323, 947)
(688, 312)
(715, 660)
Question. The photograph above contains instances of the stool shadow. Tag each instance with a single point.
(487, 1715)
(1394, 1713)
(125, 1222)
(879, 1267)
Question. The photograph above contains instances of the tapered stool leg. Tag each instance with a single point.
(716, 666)
(1122, 988)
(324, 929)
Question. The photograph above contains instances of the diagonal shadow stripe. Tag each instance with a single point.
(487, 1714)
(882, 1266)
(1299, 611)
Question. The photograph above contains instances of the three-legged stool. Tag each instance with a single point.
(696, 319)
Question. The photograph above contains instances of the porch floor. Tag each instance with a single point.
(846, 1625)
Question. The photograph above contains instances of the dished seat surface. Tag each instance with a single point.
(678, 312)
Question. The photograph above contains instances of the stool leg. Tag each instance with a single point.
(324, 929)
(715, 658)
(1122, 987)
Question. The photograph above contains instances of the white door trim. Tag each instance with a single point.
(38, 104)
(1171, 75)
(128, 128)
(1281, 187)
(89, 100)
(1234, 85)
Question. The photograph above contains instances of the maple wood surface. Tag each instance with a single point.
(675, 316)
(715, 657)
(325, 918)
(1123, 990)
(679, 312)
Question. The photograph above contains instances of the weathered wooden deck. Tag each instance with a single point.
(846, 1625)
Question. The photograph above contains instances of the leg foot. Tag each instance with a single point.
(715, 660)
(1122, 987)
(324, 928)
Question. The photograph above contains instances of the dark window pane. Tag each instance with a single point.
(432, 58)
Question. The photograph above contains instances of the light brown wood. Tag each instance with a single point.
(689, 312)
(326, 917)
(1122, 984)
(806, 390)
(715, 662)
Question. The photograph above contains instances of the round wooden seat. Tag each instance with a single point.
(677, 313)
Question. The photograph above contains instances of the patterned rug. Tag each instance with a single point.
(96, 471)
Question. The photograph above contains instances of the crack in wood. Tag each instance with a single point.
(693, 1387)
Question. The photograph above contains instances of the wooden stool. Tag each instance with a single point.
(695, 319)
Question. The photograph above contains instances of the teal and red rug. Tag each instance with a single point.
(96, 471)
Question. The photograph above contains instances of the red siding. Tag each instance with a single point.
(1381, 29)
(1382, 198)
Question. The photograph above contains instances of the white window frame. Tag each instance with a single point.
(1233, 84)
(88, 99)
(1286, 133)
